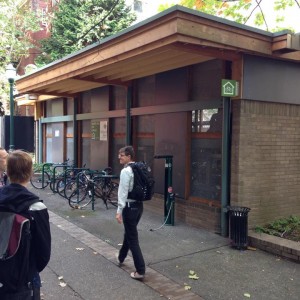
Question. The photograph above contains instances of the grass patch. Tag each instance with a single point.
(288, 228)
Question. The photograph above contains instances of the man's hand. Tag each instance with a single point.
(119, 218)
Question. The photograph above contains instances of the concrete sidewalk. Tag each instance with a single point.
(85, 242)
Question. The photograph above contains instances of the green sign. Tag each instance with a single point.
(230, 88)
(95, 130)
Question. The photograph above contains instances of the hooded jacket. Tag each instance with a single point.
(16, 198)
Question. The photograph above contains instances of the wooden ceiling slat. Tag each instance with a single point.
(114, 65)
(126, 69)
(185, 61)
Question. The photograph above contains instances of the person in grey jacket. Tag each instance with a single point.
(129, 212)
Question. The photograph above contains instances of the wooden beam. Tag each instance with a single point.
(168, 58)
(224, 35)
(184, 61)
(106, 81)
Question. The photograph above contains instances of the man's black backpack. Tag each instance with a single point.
(143, 182)
(15, 240)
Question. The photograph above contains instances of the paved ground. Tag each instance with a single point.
(85, 242)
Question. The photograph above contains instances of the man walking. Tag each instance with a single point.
(129, 212)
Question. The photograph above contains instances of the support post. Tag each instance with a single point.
(225, 165)
(12, 120)
(128, 116)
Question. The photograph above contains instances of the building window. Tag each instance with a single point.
(44, 17)
(206, 153)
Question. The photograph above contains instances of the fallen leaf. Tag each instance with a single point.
(187, 287)
(251, 248)
(247, 295)
(195, 277)
(192, 272)
(62, 284)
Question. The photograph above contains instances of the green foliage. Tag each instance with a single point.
(77, 24)
(241, 11)
(16, 21)
(282, 227)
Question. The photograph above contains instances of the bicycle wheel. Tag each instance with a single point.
(69, 188)
(60, 186)
(99, 184)
(37, 180)
(81, 196)
(112, 196)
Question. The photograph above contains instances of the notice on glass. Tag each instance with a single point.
(103, 130)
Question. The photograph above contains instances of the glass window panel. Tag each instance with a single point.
(206, 169)
(206, 155)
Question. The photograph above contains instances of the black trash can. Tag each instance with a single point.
(238, 226)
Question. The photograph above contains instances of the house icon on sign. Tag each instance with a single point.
(229, 88)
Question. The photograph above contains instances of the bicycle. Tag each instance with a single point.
(69, 175)
(87, 186)
(46, 174)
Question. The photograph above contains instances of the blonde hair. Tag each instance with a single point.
(19, 166)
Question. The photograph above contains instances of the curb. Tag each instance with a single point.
(275, 245)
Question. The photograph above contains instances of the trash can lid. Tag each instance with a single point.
(241, 209)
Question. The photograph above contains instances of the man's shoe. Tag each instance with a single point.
(136, 275)
(120, 264)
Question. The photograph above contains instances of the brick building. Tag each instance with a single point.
(157, 85)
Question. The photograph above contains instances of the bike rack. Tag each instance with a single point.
(105, 176)
(63, 165)
(43, 171)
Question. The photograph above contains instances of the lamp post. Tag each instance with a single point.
(11, 75)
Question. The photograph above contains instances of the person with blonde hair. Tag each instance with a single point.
(16, 198)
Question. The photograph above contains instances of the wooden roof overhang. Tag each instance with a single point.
(175, 38)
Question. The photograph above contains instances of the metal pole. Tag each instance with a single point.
(225, 165)
(40, 141)
(128, 116)
(11, 128)
(75, 129)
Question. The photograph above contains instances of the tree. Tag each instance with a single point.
(76, 24)
(242, 11)
(17, 21)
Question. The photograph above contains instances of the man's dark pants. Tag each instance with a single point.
(131, 216)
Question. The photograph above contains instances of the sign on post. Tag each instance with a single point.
(230, 88)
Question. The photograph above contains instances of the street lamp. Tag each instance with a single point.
(11, 75)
